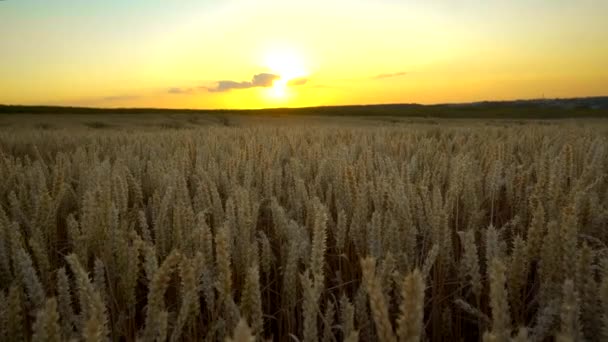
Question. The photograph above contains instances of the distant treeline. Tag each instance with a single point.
(535, 109)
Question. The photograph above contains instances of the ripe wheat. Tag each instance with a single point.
(468, 231)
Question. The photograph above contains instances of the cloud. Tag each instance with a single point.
(264, 80)
(390, 75)
(229, 85)
(297, 81)
(259, 80)
(121, 98)
(177, 90)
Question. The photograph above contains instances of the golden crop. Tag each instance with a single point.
(290, 232)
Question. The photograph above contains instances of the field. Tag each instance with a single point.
(283, 227)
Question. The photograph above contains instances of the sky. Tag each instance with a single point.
(283, 53)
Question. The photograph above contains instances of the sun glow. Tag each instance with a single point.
(289, 66)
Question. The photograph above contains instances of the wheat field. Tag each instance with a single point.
(329, 232)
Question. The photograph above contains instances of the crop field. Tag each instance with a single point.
(215, 228)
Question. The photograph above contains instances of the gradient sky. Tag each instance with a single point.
(205, 54)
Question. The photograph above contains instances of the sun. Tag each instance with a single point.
(288, 65)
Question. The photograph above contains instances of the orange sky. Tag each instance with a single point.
(271, 53)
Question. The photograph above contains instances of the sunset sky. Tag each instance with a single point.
(278, 53)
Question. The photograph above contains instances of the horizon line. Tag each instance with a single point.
(310, 107)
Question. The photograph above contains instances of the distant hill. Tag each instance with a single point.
(521, 109)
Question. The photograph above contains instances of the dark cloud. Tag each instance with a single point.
(264, 80)
(389, 75)
(259, 80)
(298, 81)
(229, 85)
